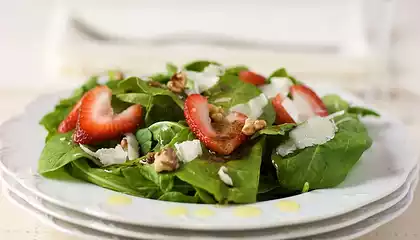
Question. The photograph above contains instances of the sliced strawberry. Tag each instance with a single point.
(97, 121)
(304, 92)
(222, 138)
(282, 116)
(69, 123)
(251, 77)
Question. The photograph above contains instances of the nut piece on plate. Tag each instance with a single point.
(217, 114)
(166, 160)
(252, 126)
(177, 82)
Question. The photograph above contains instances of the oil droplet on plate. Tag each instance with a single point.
(288, 206)
(204, 212)
(177, 211)
(247, 211)
(119, 200)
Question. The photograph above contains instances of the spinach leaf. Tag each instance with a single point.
(361, 111)
(165, 181)
(51, 120)
(162, 108)
(145, 139)
(235, 70)
(282, 129)
(82, 170)
(269, 114)
(183, 135)
(139, 183)
(178, 197)
(204, 196)
(136, 98)
(244, 171)
(171, 69)
(281, 72)
(199, 66)
(58, 152)
(232, 88)
(164, 132)
(335, 103)
(325, 165)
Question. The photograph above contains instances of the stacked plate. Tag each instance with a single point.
(379, 188)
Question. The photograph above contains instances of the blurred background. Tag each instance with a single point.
(369, 47)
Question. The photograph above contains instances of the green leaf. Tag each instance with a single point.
(232, 88)
(199, 66)
(51, 120)
(161, 77)
(145, 139)
(244, 169)
(164, 132)
(171, 68)
(154, 91)
(81, 169)
(335, 103)
(162, 108)
(326, 165)
(58, 152)
(235, 70)
(305, 187)
(281, 72)
(269, 114)
(140, 183)
(178, 197)
(183, 135)
(282, 129)
(361, 111)
(204, 196)
(165, 181)
(136, 98)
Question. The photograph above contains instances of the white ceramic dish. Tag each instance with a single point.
(297, 231)
(346, 233)
(382, 170)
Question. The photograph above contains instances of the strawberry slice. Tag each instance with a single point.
(97, 121)
(282, 116)
(251, 77)
(304, 92)
(69, 123)
(222, 138)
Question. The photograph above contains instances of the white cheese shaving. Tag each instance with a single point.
(253, 108)
(224, 176)
(201, 81)
(107, 156)
(132, 146)
(278, 85)
(317, 130)
(287, 148)
(188, 150)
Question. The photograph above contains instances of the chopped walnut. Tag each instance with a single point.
(150, 157)
(118, 75)
(252, 126)
(166, 160)
(177, 82)
(217, 114)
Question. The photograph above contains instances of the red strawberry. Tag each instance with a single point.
(251, 77)
(97, 121)
(311, 97)
(282, 116)
(222, 138)
(69, 123)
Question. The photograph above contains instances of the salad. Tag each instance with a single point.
(203, 133)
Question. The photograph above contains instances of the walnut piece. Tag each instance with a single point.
(217, 114)
(166, 160)
(124, 143)
(252, 126)
(150, 157)
(177, 82)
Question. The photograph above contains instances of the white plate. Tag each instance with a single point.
(297, 231)
(346, 233)
(382, 170)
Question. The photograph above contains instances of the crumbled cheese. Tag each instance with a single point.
(132, 146)
(253, 108)
(188, 150)
(304, 108)
(224, 176)
(107, 156)
(278, 85)
(291, 109)
(317, 130)
(215, 70)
